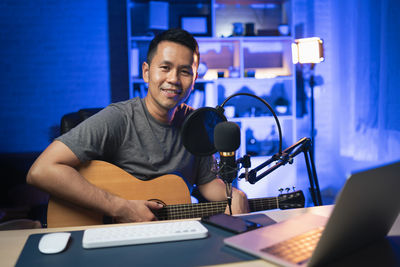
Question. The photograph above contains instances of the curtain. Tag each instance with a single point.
(368, 41)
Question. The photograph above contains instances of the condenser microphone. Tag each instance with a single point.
(227, 141)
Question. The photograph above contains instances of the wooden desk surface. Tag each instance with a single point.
(13, 241)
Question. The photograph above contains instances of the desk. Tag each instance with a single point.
(12, 242)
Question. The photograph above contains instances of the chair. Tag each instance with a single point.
(70, 120)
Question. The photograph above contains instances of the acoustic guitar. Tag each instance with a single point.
(170, 190)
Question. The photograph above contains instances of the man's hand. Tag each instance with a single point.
(239, 202)
(216, 191)
(135, 211)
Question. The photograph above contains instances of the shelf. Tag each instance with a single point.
(141, 81)
(233, 38)
(259, 18)
(241, 57)
(250, 79)
(259, 136)
(259, 64)
(256, 17)
(234, 57)
(261, 119)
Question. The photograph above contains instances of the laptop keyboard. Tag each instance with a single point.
(297, 249)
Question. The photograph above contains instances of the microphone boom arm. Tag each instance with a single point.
(303, 145)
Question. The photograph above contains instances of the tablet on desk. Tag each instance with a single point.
(231, 223)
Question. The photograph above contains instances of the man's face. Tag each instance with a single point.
(170, 76)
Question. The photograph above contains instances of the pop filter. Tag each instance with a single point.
(198, 130)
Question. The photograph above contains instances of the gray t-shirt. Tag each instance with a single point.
(126, 135)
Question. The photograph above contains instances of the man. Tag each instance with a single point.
(139, 135)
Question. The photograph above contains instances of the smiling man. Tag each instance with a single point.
(141, 136)
(170, 74)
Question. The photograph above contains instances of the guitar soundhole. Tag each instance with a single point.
(108, 220)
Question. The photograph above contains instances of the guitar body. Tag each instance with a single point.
(171, 190)
(168, 189)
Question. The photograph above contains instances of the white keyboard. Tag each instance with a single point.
(143, 233)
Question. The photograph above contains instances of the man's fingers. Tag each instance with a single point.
(154, 205)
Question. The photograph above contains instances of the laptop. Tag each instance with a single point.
(365, 210)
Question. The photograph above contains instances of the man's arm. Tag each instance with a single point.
(216, 191)
(54, 171)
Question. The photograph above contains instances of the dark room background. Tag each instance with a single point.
(60, 56)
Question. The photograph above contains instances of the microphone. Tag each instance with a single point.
(227, 141)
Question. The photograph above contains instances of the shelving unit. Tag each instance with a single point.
(257, 61)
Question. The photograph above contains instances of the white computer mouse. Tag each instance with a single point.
(53, 243)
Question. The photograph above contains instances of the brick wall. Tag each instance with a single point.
(54, 59)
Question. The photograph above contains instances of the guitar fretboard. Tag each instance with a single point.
(257, 204)
(188, 211)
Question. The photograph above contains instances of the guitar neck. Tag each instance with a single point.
(258, 204)
(188, 211)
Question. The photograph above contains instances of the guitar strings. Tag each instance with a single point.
(185, 211)
(258, 204)
(204, 209)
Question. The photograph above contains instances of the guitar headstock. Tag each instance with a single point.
(291, 200)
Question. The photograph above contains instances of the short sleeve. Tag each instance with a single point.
(205, 173)
(96, 137)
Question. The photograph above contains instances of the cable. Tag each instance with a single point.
(270, 109)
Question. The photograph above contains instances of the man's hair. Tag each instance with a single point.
(173, 35)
